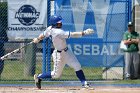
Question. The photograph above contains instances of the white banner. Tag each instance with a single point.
(26, 18)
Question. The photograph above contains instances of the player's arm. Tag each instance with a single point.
(80, 34)
(135, 40)
(126, 40)
(130, 41)
(40, 37)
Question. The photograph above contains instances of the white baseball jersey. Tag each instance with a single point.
(65, 57)
(58, 37)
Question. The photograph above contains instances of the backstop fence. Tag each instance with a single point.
(99, 54)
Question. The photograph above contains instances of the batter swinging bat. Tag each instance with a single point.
(14, 51)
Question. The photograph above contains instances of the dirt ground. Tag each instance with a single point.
(23, 89)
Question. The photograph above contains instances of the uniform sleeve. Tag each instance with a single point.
(138, 36)
(125, 36)
(46, 33)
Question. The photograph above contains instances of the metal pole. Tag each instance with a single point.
(44, 56)
(47, 48)
(49, 39)
(29, 59)
(129, 10)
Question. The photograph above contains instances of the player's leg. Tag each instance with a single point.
(38, 78)
(136, 64)
(57, 69)
(37, 81)
(128, 62)
(48, 74)
(58, 64)
(74, 63)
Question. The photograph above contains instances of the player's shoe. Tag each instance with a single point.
(86, 86)
(37, 81)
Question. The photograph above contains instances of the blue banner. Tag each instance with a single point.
(96, 52)
(87, 51)
(107, 17)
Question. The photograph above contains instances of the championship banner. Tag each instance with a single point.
(26, 18)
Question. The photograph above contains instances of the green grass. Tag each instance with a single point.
(14, 70)
(90, 73)
(13, 73)
(94, 82)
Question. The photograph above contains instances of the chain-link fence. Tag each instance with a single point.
(109, 19)
(3, 27)
(105, 60)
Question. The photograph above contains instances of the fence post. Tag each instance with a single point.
(3, 29)
(44, 55)
(30, 60)
(47, 47)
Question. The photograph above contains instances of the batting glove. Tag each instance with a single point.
(36, 40)
(88, 31)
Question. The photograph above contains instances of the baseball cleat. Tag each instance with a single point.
(86, 86)
(37, 81)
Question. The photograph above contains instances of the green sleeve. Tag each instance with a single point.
(125, 36)
(138, 36)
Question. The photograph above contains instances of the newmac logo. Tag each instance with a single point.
(27, 15)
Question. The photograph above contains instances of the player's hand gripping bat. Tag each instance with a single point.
(14, 51)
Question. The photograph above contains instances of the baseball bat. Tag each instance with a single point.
(14, 51)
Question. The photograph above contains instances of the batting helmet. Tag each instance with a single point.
(55, 19)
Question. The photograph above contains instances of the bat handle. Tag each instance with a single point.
(1, 58)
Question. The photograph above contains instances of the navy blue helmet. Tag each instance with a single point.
(54, 19)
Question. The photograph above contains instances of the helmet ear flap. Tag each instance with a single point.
(53, 25)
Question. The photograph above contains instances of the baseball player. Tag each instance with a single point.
(61, 54)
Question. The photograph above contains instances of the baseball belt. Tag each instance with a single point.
(65, 49)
